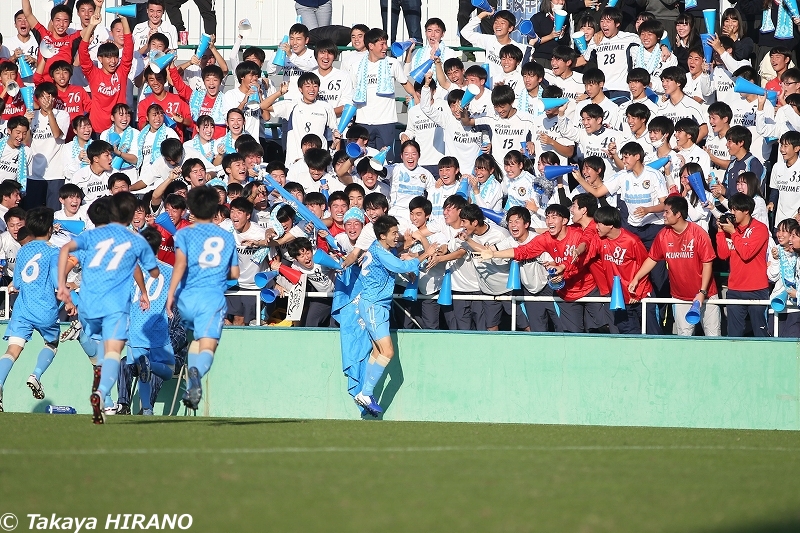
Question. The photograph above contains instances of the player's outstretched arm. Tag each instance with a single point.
(63, 259)
(178, 270)
(144, 298)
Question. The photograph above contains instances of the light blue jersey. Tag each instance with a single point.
(36, 277)
(210, 253)
(150, 329)
(112, 252)
(378, 269)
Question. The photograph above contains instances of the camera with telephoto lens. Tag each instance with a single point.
(727, 218)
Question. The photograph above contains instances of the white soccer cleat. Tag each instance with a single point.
(73, 331)
(36, 387)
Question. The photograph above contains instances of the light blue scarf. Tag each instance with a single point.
(196, 101)
(22, 162)
(385, 80)
(788, 264)
(229, 143)
(785, 28)
(76, 150)
(197, 144)
(161, 134)
(485, 190)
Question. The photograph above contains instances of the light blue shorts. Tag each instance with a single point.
(113, 327)
(376, 319)
(163, 355)
(24, 330)
(204, 318)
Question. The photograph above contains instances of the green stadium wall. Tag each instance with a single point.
(478, 377)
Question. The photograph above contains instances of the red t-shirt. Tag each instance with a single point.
(172, 105)
(108, 90)
(15, 107)
(335, 229)
(166, 252)
(579, 281)
(206, 107)
(685, 254)
(774, 85)
(623, 257)
(592, 240)
(749, 260)
(64, 46)
(75, 101)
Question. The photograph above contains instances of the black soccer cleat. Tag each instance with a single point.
(194, 392)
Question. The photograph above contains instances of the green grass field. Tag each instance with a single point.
(306, 475)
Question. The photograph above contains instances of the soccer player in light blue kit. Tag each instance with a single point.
(110, 262)
(36, 307)
(205, 255)
(149, 343)
(378, 269)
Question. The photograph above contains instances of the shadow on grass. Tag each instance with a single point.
(209, 421)
(784, 525)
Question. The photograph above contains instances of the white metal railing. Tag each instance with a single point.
(519, 299)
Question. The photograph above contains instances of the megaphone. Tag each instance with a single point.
(446, 292)
(710, 18)
(290, 274)
(696, 183)
(665, 41)
(262, 279)
(160, 62)
(463, 189)
(526, 28)
(280, 56)
(27, 97)
(708, 52)
(378, 161)
(580, 43)
(778, 304)
(269, 295)
(399, 48)
(551, 172)
(324, 260)
(469, 94)
(165, 222)
(47, 50)
(355, 150)
(25, 70)
(488, 82)
(743, 86)
(560, 19)
(169, 121)
(693, 314)
(202, 48)
(73, 226)
(651, 95)
(348, 112)
(412, 289)
(128, 11)
(659, 163)
(552, 103)
(244, 27)
(617, 299)
(613, 3)
(117, 163)
(418, 74)
(513, 276)
(495, 216)
(12, 89)
(482, 4)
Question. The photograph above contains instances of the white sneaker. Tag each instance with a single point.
(36, 387)
(111, 410)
